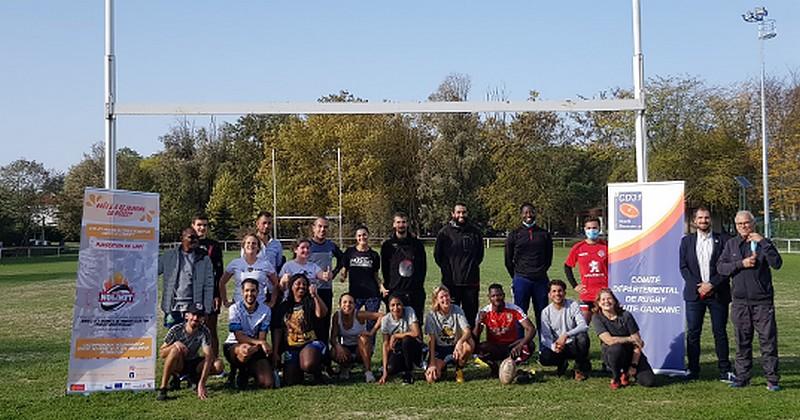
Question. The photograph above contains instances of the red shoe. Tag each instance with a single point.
(614, 384)
(623, 379)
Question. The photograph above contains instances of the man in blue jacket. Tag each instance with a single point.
(705, 289)
(747, 259)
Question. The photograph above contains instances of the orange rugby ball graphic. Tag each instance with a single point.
(629, 210)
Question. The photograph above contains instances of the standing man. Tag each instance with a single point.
(404, 264)
(747, 259)
(271, 249)
(214, 251)
(323, 252)
(564, 334)
(188, 279)
(528, 256)
(459, 253)
(591, 256)
(705, 289)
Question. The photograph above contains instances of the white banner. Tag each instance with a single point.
(645, 227)
(113, 344)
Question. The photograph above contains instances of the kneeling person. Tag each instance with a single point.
(351, 340)
(450, 338)
(246, 348)
(564, 333)
(295, 337)
(502, 321)
(179, 352)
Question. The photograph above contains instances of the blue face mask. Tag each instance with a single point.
(592, 233)
(533, 222)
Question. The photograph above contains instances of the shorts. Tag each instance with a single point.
(227, 348)
(190, 368)
(353, 352)
(292, 355)
(445, 353)
(587, 305)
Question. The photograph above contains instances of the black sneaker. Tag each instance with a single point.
(174, 383)
(727, 377)
(231, 381)
(408, 378)
(161, 394)
(241, 380)
(562, 368)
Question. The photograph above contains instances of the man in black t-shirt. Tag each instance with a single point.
(404, 264)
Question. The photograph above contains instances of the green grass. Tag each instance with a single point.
(34, 353)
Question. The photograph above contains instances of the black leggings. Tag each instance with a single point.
(404, 356)
(618, 359)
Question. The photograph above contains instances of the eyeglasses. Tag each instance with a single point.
(743, 223)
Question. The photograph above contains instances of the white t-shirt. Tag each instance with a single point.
(261, 271)
(248, 323)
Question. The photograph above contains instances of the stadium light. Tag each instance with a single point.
(766, 30)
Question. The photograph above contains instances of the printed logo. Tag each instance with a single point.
(116, 293)
(594, 267)
(628, 209)
(115, 209)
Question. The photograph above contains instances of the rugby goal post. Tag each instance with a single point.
(112, 109)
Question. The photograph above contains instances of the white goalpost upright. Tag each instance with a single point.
(276, 217)
(112, 109)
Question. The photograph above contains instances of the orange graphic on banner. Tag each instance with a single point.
(113, 348)
(120, 232)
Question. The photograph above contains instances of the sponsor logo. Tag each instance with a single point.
(628, 209)
(77, 387)
(116, 293)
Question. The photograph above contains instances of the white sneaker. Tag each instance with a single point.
(369, 377)
(344, 373)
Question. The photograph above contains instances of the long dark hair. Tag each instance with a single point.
(307, 302)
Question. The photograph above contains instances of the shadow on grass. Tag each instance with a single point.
(16, 278)
(39, 259)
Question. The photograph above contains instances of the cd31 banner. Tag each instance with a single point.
(645, 226)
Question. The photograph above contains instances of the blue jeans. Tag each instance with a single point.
(695, 314)
(529, 290)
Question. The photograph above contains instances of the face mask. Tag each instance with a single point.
(592, 233)
(527, 225)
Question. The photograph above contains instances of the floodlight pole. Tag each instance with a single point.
(766, 30)
(638, 94)
(110, 94)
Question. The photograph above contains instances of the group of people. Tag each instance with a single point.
(281, 315)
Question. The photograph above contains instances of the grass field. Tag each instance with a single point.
(34, 354)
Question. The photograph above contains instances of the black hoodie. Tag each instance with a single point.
(459, 253)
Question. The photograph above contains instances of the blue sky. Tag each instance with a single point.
(51, 77)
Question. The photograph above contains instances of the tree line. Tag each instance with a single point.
(422, 164)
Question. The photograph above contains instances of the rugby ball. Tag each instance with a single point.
(507, 371)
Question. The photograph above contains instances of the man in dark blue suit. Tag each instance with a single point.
(705, 289)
